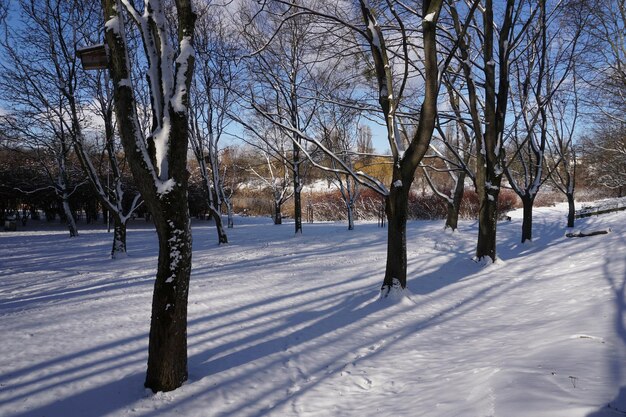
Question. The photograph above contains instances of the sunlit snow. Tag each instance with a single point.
(283, 326)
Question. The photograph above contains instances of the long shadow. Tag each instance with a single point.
(617, 406)
(348, 311)
(88, 403)
(347, 307)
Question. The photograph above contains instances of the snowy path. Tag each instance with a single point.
(291, 326)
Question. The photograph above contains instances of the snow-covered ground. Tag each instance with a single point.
(291, 326)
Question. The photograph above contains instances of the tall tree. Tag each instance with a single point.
(382, 60)
(283, 49)
(563, 111)
(549, 50)
(486, 53)
(158, 160)
(212, 96)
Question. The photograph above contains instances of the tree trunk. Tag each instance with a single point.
(119, 238)
(350, 208)
(527, 222)
(167, 351)
(69, 217)
(452, 219)
(219, 225)
(487, 215)
(229, 214)
(571, 212)
(297, 201)
(396, 208)
(278, 217)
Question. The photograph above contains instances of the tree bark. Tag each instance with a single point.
(297, 197)
(488, 164)
(69, 216)
(222, 238)
(119, 238)
(396, 209)
(487, 220)
(454, 207)
(167, 350)
(278, 217)
(571, 212)
(350, 208)
(527, 221)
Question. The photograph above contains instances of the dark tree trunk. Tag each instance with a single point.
(119, 238)
(69, 217)
(396, 208)
(297, 201)
(350, 208)
(571, 212)
(278, 217)
(222, 238)
(452, 219)
(167, 350)
(527, 221)
(488, 221)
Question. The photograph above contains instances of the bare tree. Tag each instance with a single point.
(211, 98)
(486, 52)
(605, 156)
(342, 136)
(454, 156)
(112, 193)
(563, 111)
(158, 160)
(605, 63)
(390, 45)
(282, 52)
(548, 54)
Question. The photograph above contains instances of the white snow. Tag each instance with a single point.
(186, 52)
(429, 17)
(294, 327)
(164, 187)
(125, 82)
(113, 23)
(161, 138)
(397, 183)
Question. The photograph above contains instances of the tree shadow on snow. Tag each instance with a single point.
(119, 394)
(617, 406)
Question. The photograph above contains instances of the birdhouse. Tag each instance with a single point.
(93, 57)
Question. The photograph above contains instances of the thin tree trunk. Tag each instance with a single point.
(527, 222)
(69, 217)
(350, 208)
(454, 207)
(571, 212)
(229, 211)
(119, 238)
(278, 217)
(219, 225)
(297, 199)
